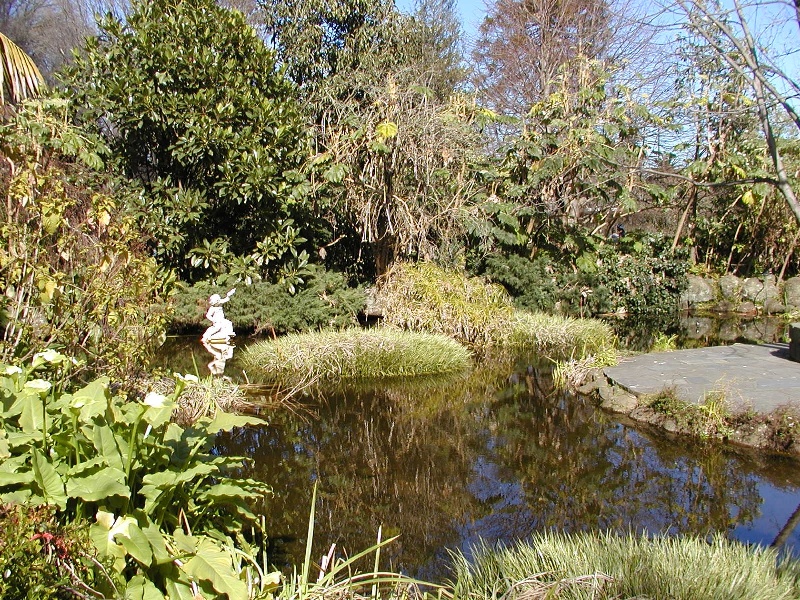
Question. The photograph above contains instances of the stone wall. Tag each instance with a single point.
(748, 296)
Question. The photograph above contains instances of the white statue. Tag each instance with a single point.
(217, 338)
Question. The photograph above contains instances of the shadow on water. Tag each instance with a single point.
(494, 455)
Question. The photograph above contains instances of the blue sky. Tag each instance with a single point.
(471, 12)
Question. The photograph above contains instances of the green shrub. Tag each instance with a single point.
(302, 359)
(40, 558)
(324, 301)
(640, 275)
(604, 566)
(196, 110)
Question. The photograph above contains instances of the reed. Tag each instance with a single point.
(605, 566)
(341, 578)
(299, 360)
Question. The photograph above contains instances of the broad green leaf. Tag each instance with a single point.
(20, 496)
(178, 590)
(227, 421)
(159, 409)
(103, 532)
(211, 564)
(16, 479)
(136, 544)
(48, 479)
(228, 490)
(31, 417)
(108, 446)
(335, 173)
(186, 544)
(157, 543)
(169, 479)
(99, 486)
(139, 588)
(91, 400)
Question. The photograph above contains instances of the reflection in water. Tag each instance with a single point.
(495, 457)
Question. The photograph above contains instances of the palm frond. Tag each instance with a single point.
(20, 76)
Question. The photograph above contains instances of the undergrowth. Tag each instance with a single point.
(324, 301)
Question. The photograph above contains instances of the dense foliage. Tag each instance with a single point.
(637, 274)
(324, 300)
(73, 268)
(164, 510)
(41, 558)
(195, 110)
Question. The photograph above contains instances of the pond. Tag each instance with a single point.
(493, 456)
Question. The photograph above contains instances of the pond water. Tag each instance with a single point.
(494, 455)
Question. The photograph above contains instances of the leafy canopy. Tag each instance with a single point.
(195, 109)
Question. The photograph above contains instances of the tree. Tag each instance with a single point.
(579, 160)
(391, 140)
(437, 34)
(196, 112)
(49, 30)
(730, 35)
(523, 44)
(320, 39)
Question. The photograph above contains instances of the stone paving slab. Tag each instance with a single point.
(759, 377)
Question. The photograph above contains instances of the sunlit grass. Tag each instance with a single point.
(606, 566)
(425, 297)
(556, 336)
(302, 359)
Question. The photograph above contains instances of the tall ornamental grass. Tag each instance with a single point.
(605, 566)
(302, 359)
(425, 297)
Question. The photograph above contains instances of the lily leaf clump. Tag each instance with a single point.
(163, 510)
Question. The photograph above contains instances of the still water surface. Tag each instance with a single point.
(494, 456)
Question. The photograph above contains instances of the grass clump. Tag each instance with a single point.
(425, 297)
(301, 359)
(556, 336)
(712, 418)
(605, 565)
